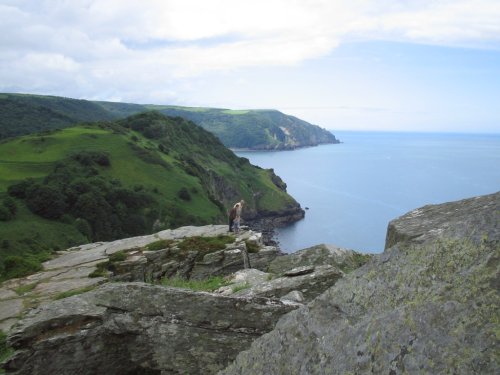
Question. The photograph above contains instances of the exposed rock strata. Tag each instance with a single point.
(137, 328)
(140, 328)
(71, 269)
(428, 305)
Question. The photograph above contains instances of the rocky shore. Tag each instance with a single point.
(429, 304)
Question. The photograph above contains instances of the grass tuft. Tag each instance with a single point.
(74, 292)
(159, 245)
(204, 245)
(207, 285)
(23, 289)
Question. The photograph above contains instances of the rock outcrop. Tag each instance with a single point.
(138, 328)
(475, 218)
(301, 276)
(320, 255)
(69, 272)
(128, 327)
(428, 305)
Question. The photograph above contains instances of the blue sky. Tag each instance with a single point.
(426, 65)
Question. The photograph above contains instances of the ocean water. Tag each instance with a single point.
(352, 190)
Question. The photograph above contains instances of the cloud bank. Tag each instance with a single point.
(116, 49)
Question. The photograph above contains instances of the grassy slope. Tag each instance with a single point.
(23, 114)
(35, 156)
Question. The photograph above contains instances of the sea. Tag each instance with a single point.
(351, 190)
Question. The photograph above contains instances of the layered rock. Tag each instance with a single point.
(320, 255)
(69, 272)
(300, 276)
(137, 328)
(429, 304)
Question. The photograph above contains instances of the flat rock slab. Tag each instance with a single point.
(58, 286)
(304, 270)
(7, 293)
(11, 308)
(69, 271)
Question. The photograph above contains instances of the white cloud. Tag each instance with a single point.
(127, 44)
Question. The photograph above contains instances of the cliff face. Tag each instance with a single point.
(135, 327)
(428, 304)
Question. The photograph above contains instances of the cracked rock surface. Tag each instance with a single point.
(428, 305)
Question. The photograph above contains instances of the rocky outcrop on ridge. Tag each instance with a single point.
(128, 327)
(428, 305)
(301, 276)
(69, 272)
(474, 218)
(138, 328)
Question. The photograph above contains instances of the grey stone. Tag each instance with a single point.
(7, 293)
(297, 271)
(344, 259)
(10, 308)
(139, 328)
(428, 305)
(475, 218)
(294, 296)
(310, 285)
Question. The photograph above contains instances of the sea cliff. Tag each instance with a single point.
(428, 304)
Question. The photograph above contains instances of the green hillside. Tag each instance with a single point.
(25, 114)
(108, 180)
(254, 129)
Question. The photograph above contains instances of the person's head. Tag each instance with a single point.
(242, 202)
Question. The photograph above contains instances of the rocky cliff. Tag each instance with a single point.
(136, 325)
(428, 305)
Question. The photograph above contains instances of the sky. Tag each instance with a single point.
(408, 65)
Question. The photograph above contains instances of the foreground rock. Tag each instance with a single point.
(301, 276)
(319, 255)
(475, 218)
(70, 272)
(136, 328)
(428, 305)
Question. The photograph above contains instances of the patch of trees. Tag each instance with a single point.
(8, 209)
(101, 208)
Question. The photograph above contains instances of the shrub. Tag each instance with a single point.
(209, 285)
(16, 266)
(119, 256)
(184, 194)
(20, 189)
(5, 214)
(10, 204)
(23, 289)
(5, 350)
(252, 247)
(204, 245)
(159, 245)
(101, 270)
(84, 227)
(46, 201)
